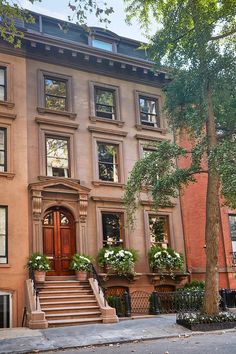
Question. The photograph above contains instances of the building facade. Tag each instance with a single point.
(77, 109)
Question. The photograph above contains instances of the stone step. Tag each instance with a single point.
(73, 322)
(66, 297)
(69, 292)
(69, 308)
(61, 277)
(63, 303)
(76, 286)
(72, 315)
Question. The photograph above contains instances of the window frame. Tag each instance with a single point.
(8, 293)
(5, 164)
(100, 208)
(231, 237)
(100, 38)
(6, 123)
(119, 144)
(67, 139)
(121, 230)
(116, 94)
(116, 164)
(69, 103)
(8, 99)
(5, 82)
(169, 214)
(158, 98)
(46, 130)
(160, 244)
(5, 257)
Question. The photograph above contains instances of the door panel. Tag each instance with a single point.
(59, 240)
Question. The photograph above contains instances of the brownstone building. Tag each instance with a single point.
(77, 109)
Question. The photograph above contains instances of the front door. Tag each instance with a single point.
(59, 240)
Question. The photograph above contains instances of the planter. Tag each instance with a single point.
(206, 326)
(81, 275)
(39, 276)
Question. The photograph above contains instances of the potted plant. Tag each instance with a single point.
(39, 264)
(80, 263)
(119, 260)
(165, 259)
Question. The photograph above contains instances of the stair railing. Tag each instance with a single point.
(95, 276)
(36, 290)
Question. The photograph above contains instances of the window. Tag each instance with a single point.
(3, 234)
(113, 229)
(3, 149)
(148, 109)
(105, 103)
(3, 84)
(108, 168)
(159, 230)
(97, 43)
(5, 310)
(55, 92)
(57, 156)
(232, 224)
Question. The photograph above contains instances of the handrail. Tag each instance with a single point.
(36, 291)
(96, 277)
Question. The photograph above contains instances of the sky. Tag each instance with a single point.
(59, 9)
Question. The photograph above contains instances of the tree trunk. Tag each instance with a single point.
(211, 297)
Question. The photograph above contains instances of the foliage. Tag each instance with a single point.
(117, 303)
(196, 40)
(38, 261)
(80, 262)
(165, 259)
(120, 260)
(195, 285)
(195, 318)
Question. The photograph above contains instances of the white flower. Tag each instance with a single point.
(38, 258)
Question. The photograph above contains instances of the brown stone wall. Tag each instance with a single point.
(13, 188)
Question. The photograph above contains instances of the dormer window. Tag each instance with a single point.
(97, 43)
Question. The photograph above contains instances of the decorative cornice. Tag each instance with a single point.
(145, 127)
(93, 129)
(7, 115)
(148, 137)
(43, 110)
(107, 199)
(54, 122)
(7, 104)
(108, 184)
(105, 120)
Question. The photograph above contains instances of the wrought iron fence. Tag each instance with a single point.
(141, 302)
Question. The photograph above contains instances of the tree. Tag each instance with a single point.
(197, 44)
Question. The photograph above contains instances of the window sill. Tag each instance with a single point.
(95, 119)
(7, 175)
(43, 110)
(146, 127)
(5, 265)
(110, 184)
(47, 178)
(7, 104)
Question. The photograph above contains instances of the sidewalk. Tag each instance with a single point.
(24, 340)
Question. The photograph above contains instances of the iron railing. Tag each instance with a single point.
(141, 302)
(95, 276)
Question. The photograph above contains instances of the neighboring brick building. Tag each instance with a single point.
(77, 109)
(193, 206)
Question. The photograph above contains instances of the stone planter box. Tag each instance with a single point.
(207, 326)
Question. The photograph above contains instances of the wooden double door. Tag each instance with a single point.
(59, 241)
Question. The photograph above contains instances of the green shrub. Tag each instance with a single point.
(38, 261)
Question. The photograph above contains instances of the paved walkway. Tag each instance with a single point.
(24, 340)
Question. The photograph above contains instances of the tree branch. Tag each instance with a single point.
(223, 35)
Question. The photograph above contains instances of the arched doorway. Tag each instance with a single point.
(59, 241)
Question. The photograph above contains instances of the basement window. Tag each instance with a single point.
(5, 310)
